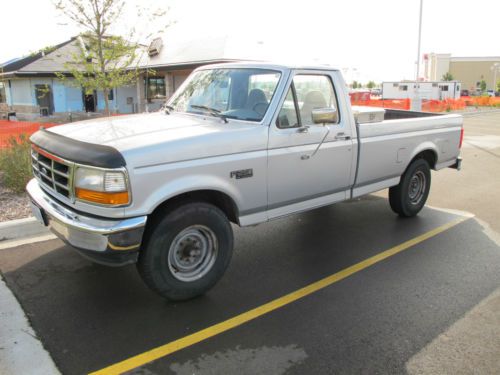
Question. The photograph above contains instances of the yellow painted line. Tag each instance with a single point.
(204, 334)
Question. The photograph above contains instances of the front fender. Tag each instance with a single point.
(192, 183)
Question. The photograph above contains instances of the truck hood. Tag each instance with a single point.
(156, 138)
(114, 131)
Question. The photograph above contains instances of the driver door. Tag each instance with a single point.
(308, 164)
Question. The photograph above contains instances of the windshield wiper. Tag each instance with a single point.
(213, 111)
(167, 108)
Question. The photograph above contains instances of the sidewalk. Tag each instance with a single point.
(21, 352)
(470, 346)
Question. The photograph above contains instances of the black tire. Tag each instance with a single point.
(166, 256)
(406, 199)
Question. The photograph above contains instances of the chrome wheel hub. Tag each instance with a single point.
(192, 253)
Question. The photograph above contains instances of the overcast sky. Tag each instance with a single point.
(368, 39)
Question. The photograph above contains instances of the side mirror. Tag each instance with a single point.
(325, 116)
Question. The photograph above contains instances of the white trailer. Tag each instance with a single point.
(437, 90)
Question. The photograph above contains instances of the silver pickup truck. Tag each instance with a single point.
(238, 143)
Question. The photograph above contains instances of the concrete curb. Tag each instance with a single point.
(478, 113)
(21, 350)
(21, 228)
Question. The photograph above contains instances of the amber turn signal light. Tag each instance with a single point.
(102, 197)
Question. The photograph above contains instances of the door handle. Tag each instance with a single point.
(342, 137)
(303, 129)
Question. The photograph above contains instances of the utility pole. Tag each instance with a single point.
(495, 67)
(417, 101)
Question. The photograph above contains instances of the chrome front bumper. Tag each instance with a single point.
(103, 240)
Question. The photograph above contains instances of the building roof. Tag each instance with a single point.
(175, 52)
(475, 58)
(42, 61)
(464, 58)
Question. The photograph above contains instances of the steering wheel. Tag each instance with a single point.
(260, 104)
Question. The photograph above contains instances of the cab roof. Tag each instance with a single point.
(268, 65)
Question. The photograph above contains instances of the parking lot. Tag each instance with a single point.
(349, 288)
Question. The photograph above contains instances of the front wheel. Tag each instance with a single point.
(409, 197)
(187, 251)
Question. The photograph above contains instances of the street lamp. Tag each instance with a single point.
(417, 102)
(495, 68)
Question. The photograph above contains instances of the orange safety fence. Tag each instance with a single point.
(9, 129)
(430, 105)
(482, 101)
(442, 105)
(384, 103)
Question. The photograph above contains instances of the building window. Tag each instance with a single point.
(403, 88)
(395, 85)
(444, 88)
(155, 88)
(111, 94)
(3, 98)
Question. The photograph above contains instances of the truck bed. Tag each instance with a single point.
(397, 114)
(387, 147)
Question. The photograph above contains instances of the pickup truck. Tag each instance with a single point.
(240, 143)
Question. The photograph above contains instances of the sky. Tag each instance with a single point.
(367, 39)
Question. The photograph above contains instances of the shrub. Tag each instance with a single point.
(15, 163)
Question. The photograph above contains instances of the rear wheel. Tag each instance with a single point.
(187, 251)
(409, 197)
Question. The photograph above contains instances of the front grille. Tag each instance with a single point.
(51, 172)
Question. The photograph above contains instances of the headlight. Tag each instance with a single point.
(101, 186)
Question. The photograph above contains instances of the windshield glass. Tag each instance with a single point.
(242, 94)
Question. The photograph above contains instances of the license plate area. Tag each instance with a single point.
(38, 213)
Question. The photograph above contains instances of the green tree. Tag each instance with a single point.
(498, 85)
(355, 84)
(103, 61)
(370, 85)
(447, 77)
(482, 85)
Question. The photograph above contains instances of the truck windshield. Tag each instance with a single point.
(240, 93)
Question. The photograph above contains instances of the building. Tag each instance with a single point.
(438, 90)
(468, 70)
(30, 87)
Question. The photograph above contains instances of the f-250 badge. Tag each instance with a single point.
(242, 173)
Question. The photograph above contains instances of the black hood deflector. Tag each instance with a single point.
(78, 151)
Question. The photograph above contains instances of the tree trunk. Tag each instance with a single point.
(106, 102)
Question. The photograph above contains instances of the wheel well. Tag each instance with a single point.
(429, 156)
(218, 199)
